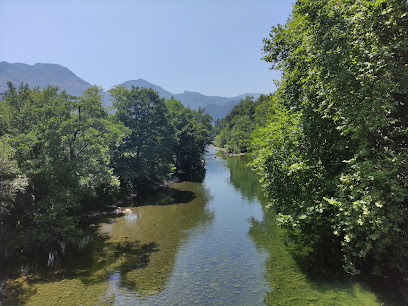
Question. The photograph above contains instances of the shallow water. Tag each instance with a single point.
(199, 243)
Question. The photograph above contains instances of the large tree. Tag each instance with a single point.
(343, 154)
(192, 128)
(62, 147)
(146, 156)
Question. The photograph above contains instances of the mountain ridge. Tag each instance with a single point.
(43, 74)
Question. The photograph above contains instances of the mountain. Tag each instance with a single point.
(188, 98)
(218, 107)
(41, 75)
(196, 100)
(220, 111)
(145, 84)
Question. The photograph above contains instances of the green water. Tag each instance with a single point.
(195, 243)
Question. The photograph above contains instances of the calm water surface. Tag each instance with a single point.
(198, 243)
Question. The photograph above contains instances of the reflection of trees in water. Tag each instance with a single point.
(164, 196)
(138, 254)
(244, 180)
(197, 176)
(168, 226)
(296, 279)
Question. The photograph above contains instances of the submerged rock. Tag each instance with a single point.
(121, 210)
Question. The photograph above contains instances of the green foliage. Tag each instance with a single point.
(63, 156)
(265, 107)
(61, 147)
(192, 135)
(334, 155)
(146, 156)
(234, 131)
(11, 181)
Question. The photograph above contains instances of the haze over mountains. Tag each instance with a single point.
(216, 106)
(42, 75)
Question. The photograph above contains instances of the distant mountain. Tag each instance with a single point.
(42, 75)
(220, 111)
(217, 107)
(255, 95)
(196, 100)
(145, 84)
(188, 98)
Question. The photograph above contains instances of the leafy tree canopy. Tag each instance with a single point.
(61, 147)
(192, 135)
(334, 155)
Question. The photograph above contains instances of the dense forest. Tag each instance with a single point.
(62, 157)
(233, 132)
(331, 143)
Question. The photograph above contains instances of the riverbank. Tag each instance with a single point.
(207, 242)
(126, 201)
(225, 151)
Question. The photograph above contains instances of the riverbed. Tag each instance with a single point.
(209, 242)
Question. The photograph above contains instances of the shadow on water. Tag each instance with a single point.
(197, 176)
(134, 252)
(296, 278)
(91, 264)
(164, 196)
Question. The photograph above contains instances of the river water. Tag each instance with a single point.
(198, 243)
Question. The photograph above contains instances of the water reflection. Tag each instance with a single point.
(131, 217)
(168, 195)
(292, 279)
(244, 180)
(166, 225)
(132, 253)
(209, 243)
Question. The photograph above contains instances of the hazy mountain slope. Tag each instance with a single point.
(196, 100)
(188, 98)
(216, 106)
(41, 75)
(145, 84)
(220, 111)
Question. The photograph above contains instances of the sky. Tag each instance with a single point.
(209, 46)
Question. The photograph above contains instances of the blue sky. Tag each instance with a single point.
(212, 46)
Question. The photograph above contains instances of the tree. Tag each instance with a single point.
(345, 77)
(146, 156)
(192, 128)
(234, 131)
(62, 147)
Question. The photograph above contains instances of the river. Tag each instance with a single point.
(197, 243)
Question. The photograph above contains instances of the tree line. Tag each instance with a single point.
(63, 156)
(331, 143)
